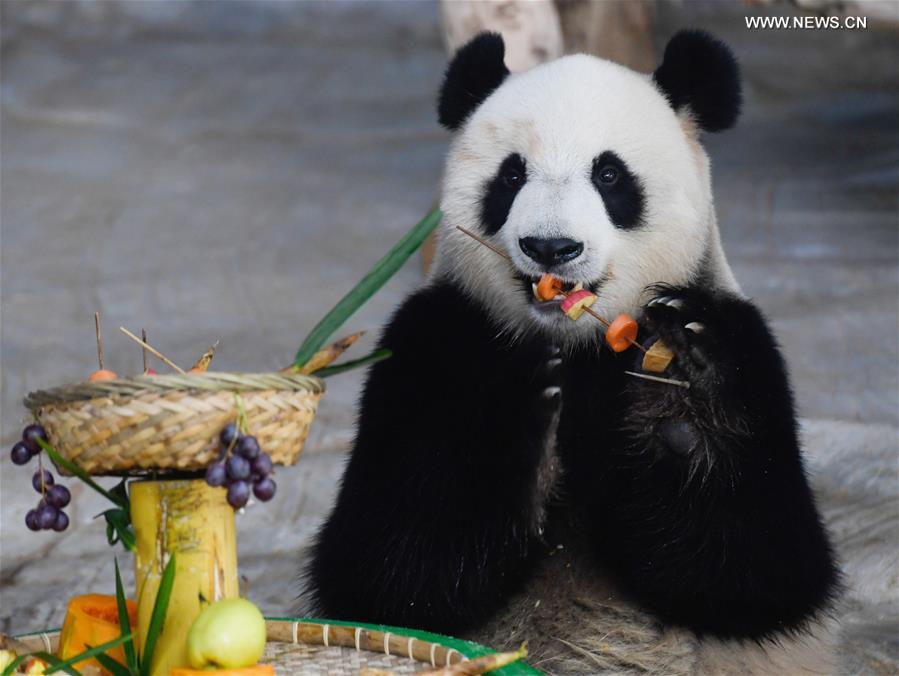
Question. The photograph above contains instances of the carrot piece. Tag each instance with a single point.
(255, 670)
(621, 333)
(548, 287)
(103, 374)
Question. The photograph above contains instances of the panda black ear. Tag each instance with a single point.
(475, 71)
(701, 72)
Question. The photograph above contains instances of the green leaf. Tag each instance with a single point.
(57, 664)
(66, 665)
(12, 666)
(113, 666)
(124, 622)
(72, 468)
(119, 528)
(157, 617)
(383, 270)
(371, 358)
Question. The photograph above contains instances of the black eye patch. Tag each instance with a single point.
(500, 192)
(620, 190)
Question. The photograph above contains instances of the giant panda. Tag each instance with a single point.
(510, 479)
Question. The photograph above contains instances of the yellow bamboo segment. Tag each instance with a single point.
(195, 522)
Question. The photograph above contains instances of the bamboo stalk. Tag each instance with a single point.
(194, 521)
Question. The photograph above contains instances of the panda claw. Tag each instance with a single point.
(552, 394)
(675, 303)
(695, 327)
(659, 299)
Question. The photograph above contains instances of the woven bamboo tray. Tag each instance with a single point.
(307, 647)
(171, 422)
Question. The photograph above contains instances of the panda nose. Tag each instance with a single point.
(550, 251)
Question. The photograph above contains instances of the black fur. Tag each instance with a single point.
(623, 196)
(436, 515)
(701, 72)
(500, 192)
(475, 71)
(696, 498)
(699, 499)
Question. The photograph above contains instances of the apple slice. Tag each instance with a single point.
(576, 302)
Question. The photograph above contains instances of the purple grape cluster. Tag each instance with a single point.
(48, 514)
(242, 464)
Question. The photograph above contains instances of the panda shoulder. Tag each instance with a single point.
(439, 319)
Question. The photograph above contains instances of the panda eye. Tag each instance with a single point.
(512, 178)
(608, 174)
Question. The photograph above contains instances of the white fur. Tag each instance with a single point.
(559, 117)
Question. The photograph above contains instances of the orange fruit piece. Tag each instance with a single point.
(92, 619)
(255, 670)
(621, 333)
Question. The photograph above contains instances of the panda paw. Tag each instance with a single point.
(690, 322)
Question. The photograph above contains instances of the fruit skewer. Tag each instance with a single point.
(620, 333)
(621, 342)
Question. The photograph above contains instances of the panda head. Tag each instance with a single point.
(584, 169)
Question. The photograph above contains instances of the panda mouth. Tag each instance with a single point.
(529, 284)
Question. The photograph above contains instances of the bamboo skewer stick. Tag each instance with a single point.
(143, 336)
(156, 353)
(99, 339)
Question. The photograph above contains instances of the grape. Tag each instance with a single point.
(58, 496)
(36, 480)
(264, 489)
(216, 474)
(228, 434)
(262, 465)
(20, 453)
(248, 447)
(61, 523)
(31, 434)
(46, 516)
(238, 494)
(238, 468)
(31, 520)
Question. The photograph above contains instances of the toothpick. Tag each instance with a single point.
(151, 350)
(670, 381)
(143, 335)
(588, 310)
(99, 339)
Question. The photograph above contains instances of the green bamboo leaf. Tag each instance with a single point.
(56, 663)
(72, 468)
(371, 358)
(12, 666)
(113, 666)
(157, 617)
(124, 622)
(66, 665)
(383, 270)
(119, 528)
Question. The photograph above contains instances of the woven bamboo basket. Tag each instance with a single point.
(171, 423)
(304, 646)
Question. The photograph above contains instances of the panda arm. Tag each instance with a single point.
(705, 511)
(439, 504)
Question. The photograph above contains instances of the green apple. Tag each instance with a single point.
(227, 634)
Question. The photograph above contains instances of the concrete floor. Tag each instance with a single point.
(227, 170)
